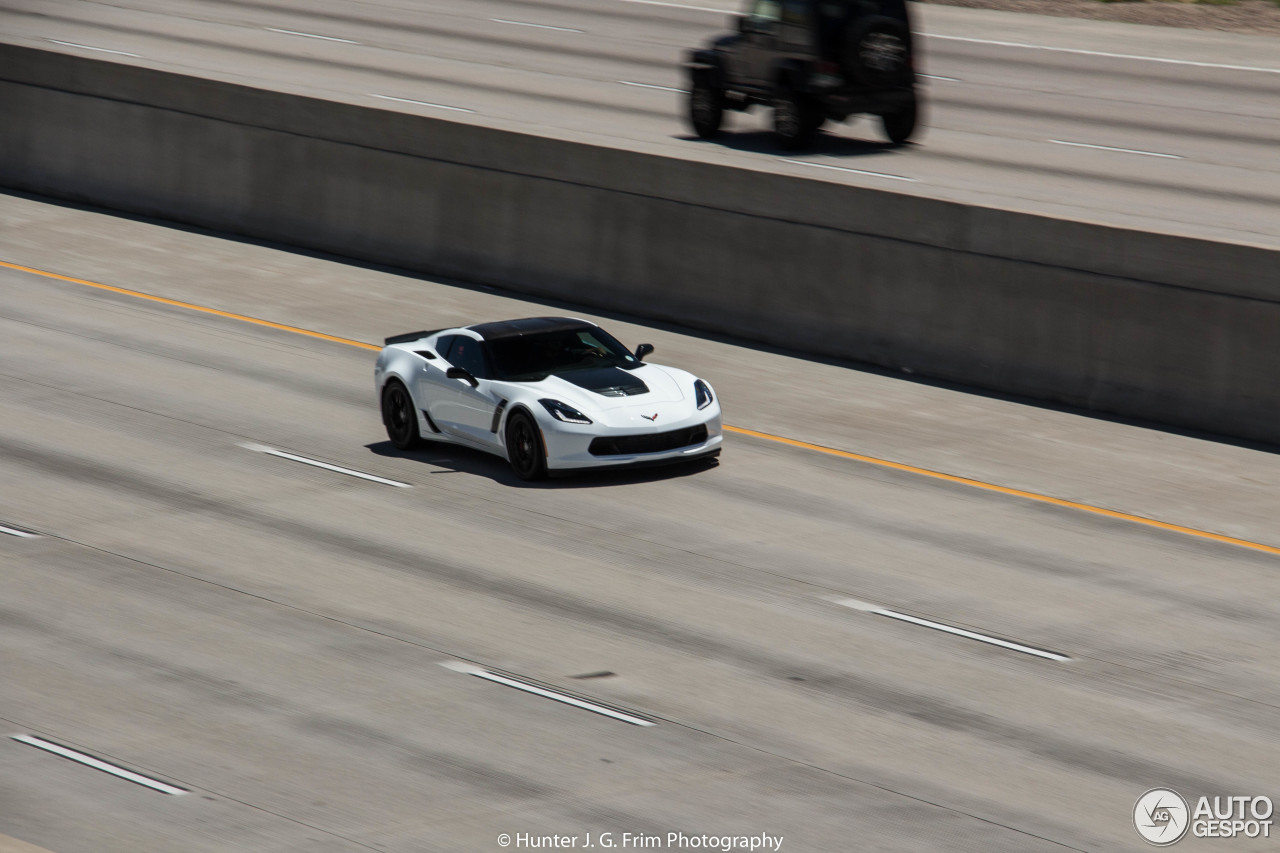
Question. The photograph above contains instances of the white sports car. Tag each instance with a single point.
(547, 393)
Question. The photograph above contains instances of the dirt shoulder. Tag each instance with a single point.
(1259, 17)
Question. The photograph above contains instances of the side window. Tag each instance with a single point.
(765, 11)
(795, 12)
(468, 353)
(442, 346)
(589, 341)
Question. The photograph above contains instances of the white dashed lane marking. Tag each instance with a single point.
(271, 451)
(91, 47)
(854, 171)
(98, 764)
(950, 629)
(1118, 150)
(652, 86)
(423, 103)
(536, 26)
(309, 35)
(518, 684)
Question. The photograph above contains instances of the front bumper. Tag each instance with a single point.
(569, 446)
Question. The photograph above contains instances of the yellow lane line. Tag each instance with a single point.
(201, 308)
(1005, 490)
(817, 448)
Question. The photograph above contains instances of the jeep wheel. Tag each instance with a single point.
(899, 126)
(795, 119)
(706, 107)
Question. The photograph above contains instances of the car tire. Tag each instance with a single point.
(877, 52)
(525, 450)
(399, 416)
(706, 107)
(796, 119)
(900, 125)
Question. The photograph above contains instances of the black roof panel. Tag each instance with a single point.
(527, 326)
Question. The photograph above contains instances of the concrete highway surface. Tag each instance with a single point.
(895, 617)
(1151, 128)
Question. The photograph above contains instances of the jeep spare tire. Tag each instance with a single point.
(877, 52)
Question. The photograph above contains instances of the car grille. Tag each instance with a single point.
(655, 442)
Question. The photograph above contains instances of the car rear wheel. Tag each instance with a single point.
(399, 417)
(899, 126)
(795, 119)
(706, 107)
(525, 451)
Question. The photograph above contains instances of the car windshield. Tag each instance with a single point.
(532, 358)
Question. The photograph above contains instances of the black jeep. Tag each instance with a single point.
(811, 60)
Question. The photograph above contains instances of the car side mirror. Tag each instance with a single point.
(462, 373)
(643, 350)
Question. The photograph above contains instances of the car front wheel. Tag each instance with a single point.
(399, 417)
(525, 452)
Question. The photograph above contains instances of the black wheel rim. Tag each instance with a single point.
(523, 446)
(399, 415)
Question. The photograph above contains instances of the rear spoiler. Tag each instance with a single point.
(409, 337)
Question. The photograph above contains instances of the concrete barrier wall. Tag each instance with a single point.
(1175, 330)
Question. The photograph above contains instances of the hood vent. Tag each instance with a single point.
(622, 390)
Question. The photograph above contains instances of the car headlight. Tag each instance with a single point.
(563, 412)
(702, 393)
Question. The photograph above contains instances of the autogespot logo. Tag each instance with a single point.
(1161, 816)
